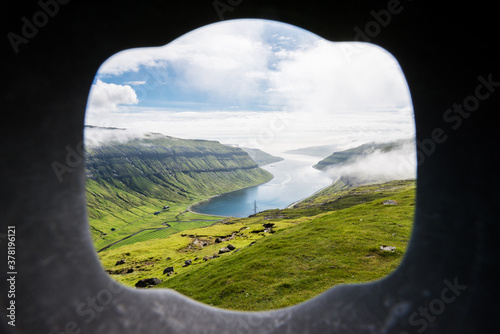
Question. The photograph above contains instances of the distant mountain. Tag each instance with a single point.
(347, 156)
(260, 157)
(315, 151)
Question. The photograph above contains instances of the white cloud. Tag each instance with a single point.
(106, 97)
(378, 166)
(332, 93)
(135, 83)
(222, 59)
(233, 59)
(327, 79)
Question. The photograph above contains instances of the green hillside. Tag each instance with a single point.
(279, 257)
(129, 184)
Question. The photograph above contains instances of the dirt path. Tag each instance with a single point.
(183, 212)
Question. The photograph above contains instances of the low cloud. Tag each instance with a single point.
(273, 132)
(97, 136)
(398, 164)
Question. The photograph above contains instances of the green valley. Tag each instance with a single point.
(147, 184)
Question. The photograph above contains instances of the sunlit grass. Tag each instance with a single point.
(302, 256)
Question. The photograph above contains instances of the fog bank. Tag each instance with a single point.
(378, 166)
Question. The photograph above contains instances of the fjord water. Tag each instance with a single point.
(294, 179)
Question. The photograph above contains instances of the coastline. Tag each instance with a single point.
(190, 207)
(316, 192)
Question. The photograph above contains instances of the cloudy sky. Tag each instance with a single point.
(255, 83)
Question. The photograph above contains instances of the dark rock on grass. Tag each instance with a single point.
(147, 282)
(224, 250)
(130, 270)
(168, 270)
(218, 240)
(268, 225)
(187, 263)
(122, 261)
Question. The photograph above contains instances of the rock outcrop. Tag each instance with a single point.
(148, 282)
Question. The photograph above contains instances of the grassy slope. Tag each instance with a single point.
(332, 238)
(127, 211)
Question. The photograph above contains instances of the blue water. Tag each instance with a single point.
(294, 179)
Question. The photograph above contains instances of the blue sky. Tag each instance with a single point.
(255, 83)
